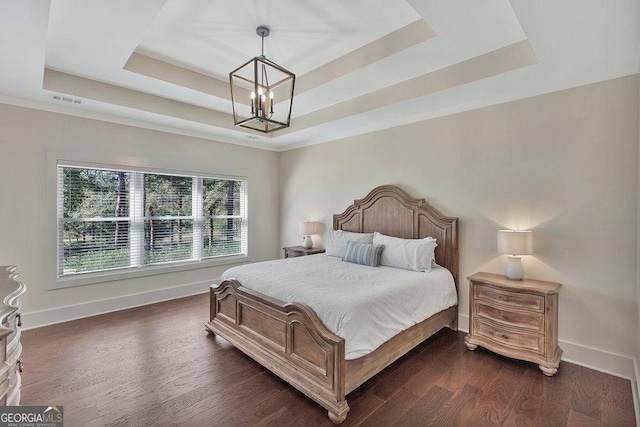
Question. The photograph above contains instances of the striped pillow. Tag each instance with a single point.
(363, 253)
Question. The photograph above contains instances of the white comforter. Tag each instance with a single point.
(364, 305)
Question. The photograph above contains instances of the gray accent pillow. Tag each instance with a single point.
(363, 253)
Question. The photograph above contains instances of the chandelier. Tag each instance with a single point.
(262, 92)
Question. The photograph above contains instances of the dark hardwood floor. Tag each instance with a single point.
(156, 366)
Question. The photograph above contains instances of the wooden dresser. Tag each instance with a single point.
(11, 349)
(515, 318)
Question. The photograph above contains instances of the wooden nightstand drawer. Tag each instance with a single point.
(510, 338)
(521, 319)
(510, 299)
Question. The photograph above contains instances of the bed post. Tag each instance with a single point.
(212, 310)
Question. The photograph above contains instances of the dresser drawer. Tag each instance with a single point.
(509, 338)
(510, 299)
(530, 320)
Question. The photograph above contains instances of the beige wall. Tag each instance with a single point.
(563, 164)
(29, 137)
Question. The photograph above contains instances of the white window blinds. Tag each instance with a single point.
(122, 219)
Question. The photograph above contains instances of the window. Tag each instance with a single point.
(110, 220)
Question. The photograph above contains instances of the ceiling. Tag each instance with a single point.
(361, 65)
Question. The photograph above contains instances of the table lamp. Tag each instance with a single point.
(308, 229)
(515, 243)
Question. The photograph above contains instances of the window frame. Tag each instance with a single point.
(131, 272)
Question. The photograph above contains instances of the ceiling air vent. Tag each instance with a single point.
(67, 99)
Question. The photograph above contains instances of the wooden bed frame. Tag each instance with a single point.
(291, 341)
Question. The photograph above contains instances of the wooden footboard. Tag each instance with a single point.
(292, 342)
(288, 339)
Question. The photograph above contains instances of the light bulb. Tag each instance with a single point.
(270, 94)
(263, 98)
(253, 95)
(260, 91)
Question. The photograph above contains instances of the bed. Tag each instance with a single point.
(290, 339)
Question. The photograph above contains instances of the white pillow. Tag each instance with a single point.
(336, 244)
(408, 254)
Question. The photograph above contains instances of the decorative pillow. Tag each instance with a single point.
(336, 244)
(363, 253)
(408, 254)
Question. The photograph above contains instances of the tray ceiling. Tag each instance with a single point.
(362, 65)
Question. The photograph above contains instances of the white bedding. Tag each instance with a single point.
(364, 305)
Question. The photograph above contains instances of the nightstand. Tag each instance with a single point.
(515, 318)
(294, 251)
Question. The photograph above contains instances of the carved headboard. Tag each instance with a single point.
(389, 210)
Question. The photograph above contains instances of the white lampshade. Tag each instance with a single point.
(309, 228)
(515, 242)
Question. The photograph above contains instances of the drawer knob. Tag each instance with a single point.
(503, 298)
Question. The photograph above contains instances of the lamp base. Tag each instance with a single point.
(307, 242)
(514, 270)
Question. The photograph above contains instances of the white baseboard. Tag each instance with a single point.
(600, 360)
(37, 319)
(589, 357)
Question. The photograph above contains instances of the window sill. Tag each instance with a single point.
(132, 273)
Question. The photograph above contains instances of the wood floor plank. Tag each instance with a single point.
(499, 394)
(556, 401)
(391, 384)
(361, 404)
(576, 419)
(614, 416)
(252, 414)
(283, 417)
(465, 369)
(156, 366)
(527, 401)
(396, 406)
(140, 403)
(425, 409)
(588, 392)
(459, 410)
(438, 355)
(617, 393)
(297, 413)
(233, 399)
